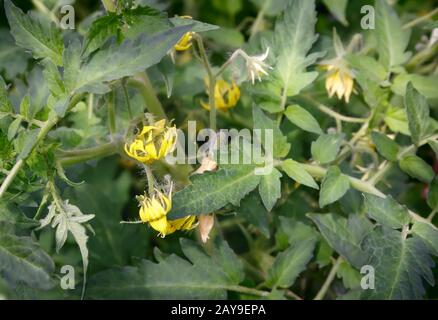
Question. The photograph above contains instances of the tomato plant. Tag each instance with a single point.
(218, 149)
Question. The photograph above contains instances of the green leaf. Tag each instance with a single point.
(334, 185)
(392, 39)
(10, 213)
(434, 146)
(13, 59)
(126, 59)
(426, 85)
(397, 120)
(338, 8)
(31, 137)
(387, 212)
(326, 147)
(290, 263)
(202, 277)
(292, 232)
(102, 28)
(61, 106)
(270, 188)
(252, 209)
(416, 168)
(53, 78)
(303, 119)
(294, 36)
(432, 196)
(350, 276)
(22, 260)
(213, 190)
(417, 110)
(13, 128)
(198, 26)
(400, 265)
(344, 236)
(34, 34)
(428, 233)
(280, 145)
(387, 147)
(297, 172)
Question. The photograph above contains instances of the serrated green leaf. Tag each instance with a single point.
(31, 137)
(392, 39)
(13, 59)
(22, 260)
(61, 106)
(326, 147)
(387, 147)
(204, 277)
(292, 232)
(280, 145)
(350, 276)
(102, 28)
(297, 172)
(334, 185)
(252, 209)
(213, 190)
(344, 236)
(294, 36)
(387, 212)
(53, 78)
(400, 265)
(397, 120)
(303, 119)
(416, 168)
(198, 26)
(13, 128)
(126, 59)
(290, 263)
(338, 8)
(34, 34)
(426, 85)
(417, 111)
(428, 233)
(270, 188)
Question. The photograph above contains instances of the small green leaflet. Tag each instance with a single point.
(270, 188)
(387, 212)
(297, 172)
(428, 233)
(417, 110)
(387, 147)
(392, 39)
(261, 121)
(426, 85)
(293, 38)
(252, 209)
(416, 168)
(338, 8)
(432, 196)
(302, 118)
(202, 277)
(326, 147)
(345, 236)
(400, 265)
(34, 34)
(213, 190)
(334, 185)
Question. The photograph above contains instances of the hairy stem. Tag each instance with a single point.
(247, 290)
(331, 276)
(420, 19)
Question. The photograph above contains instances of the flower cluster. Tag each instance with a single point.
(153, 142)
(226, 95)
(340, 81)
(154, 209)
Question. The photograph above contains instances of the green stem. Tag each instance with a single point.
(258, 20)
(151, 179)
(111, 114)
(420, 19)
(144, 86)
(128, 103)
(247, 290)
(432, 215)
(329, 280)
(211, 82)
(68, 158)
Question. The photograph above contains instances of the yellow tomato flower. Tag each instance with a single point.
(154, 209)
(154, 142)
(185, 42)
(226, 95)
(339, 81)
